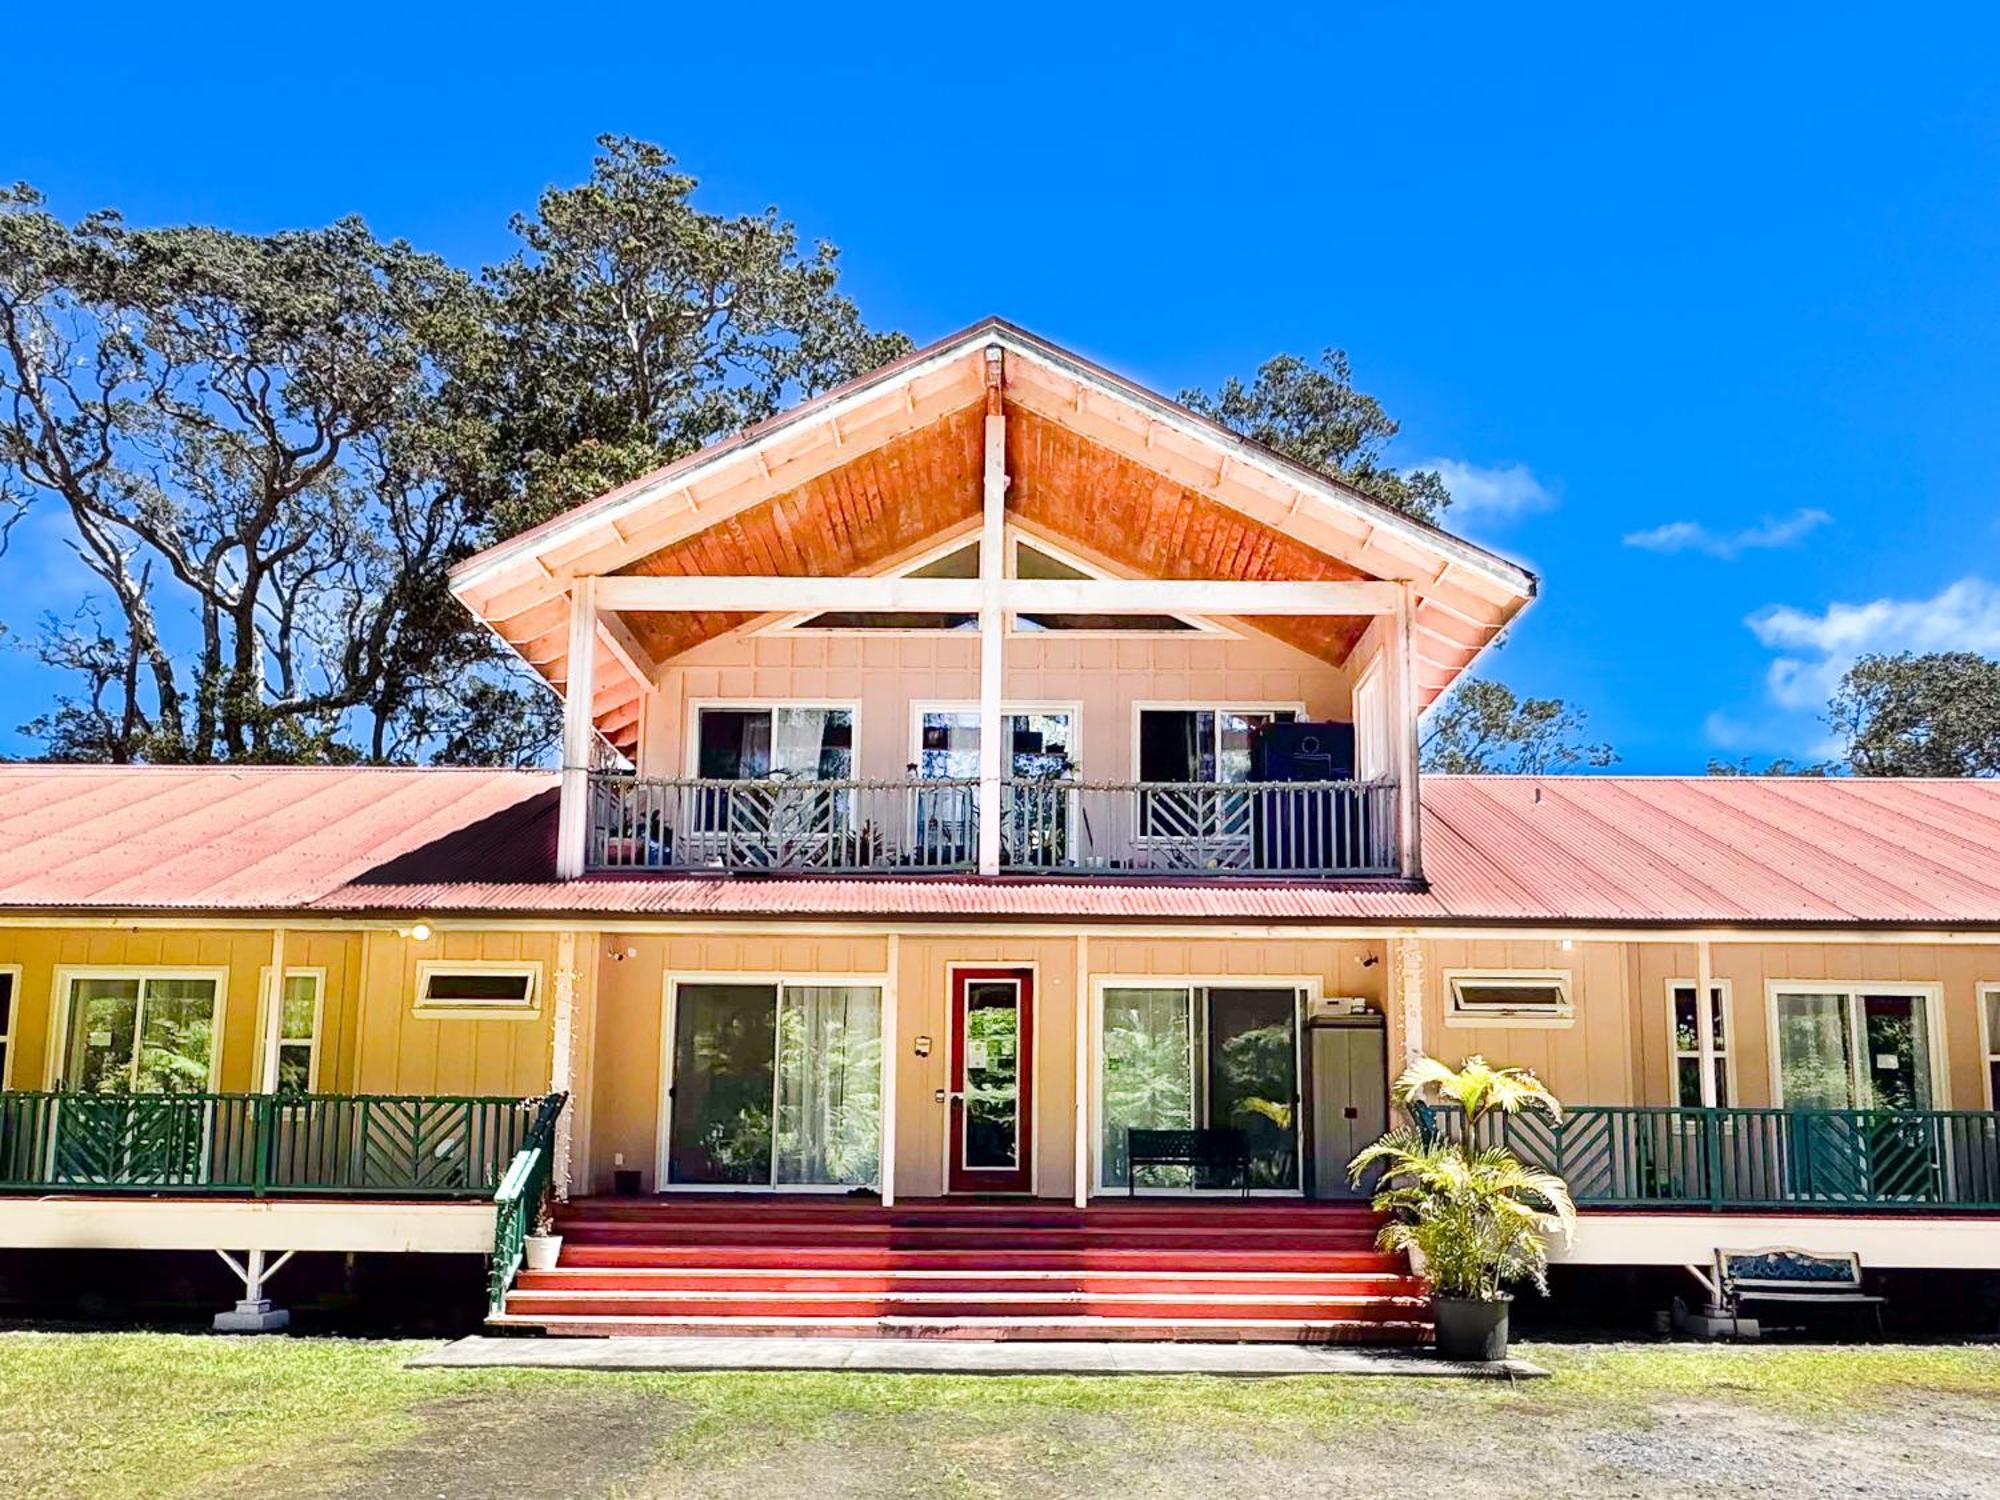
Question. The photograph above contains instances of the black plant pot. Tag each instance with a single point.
(1469, 1330)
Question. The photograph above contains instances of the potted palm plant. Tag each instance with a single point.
(1475, 1217)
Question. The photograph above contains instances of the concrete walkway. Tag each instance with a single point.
(953, 1357)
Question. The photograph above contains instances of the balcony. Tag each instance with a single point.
(262, 1145)
(1814, 1160)
(1278, 830)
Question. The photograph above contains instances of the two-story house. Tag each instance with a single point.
(988, 890)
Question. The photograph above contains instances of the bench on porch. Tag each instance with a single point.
(1216, 1153)
(1792, 1278)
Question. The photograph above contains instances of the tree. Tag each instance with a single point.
(1930, 714)
(1313, 415)
(1484, 727)
(636, 328)
(250, 437)
(1778, 766)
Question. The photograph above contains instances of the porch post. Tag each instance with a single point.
(1704, 1019)
(562, 1048)
(992, 618)
(1083, 1010)
(1409, 973)
(891, 1046)
(1409, 825)
(274, 1015)
(573, 821)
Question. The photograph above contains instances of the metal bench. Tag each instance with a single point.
(1218, 1151)
(1791, 1278)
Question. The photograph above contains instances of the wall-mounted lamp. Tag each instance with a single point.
(922, 1046)
(1369, 960)
(421, 933)
(619, 955)
(1568, 944)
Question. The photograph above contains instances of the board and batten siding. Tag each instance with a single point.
(43, 952)
(401, 1052)
(887, 675)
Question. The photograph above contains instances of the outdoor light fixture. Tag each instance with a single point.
(420, 933)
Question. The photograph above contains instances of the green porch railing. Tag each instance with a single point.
(518, 1202)
(340, 1145)
(1616, 1156)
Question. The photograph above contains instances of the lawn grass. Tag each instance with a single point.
(164, 1415)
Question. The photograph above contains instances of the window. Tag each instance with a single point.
(1693, 1052)
(1039, 743)
(776, 743)
(1853, 1046)
(298, 1029)
(1201, 744)
(477, 991)
(1989, 1008)
(774, 1084)
(1517, 998)
(10, 989)
(1191, 1056)
(131, 1031)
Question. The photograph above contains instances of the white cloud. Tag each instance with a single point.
(1820, 647)
(1692, 536)
(1500, 492)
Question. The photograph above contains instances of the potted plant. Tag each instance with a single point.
(1475, 1217)
(542, 1248)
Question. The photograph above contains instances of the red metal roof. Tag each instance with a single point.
(1574, 850)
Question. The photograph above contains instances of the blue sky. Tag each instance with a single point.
(1702, 308)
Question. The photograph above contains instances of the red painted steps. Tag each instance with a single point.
(1219, 1271)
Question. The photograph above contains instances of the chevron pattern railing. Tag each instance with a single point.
(1617, 1156)
(338, 1145)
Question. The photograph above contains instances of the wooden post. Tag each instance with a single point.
(1083, 1010)
(274, 1013)
(1409, 976)
(992, 618)
(891, 1045)
(573, 822)
(562, 1051)
(1704, 1020)
(1409, 813)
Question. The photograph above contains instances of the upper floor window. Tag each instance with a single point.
(1538, 997)
(1202, 744)
(783, 743)
(1039, 743)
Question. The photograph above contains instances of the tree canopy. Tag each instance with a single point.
(1312, 414)
(1931, 714)
(271, 448)
(1483, 726)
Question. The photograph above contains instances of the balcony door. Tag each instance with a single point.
(992, 1081)
(1858, 1064)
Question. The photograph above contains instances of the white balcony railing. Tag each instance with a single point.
(1057, 826)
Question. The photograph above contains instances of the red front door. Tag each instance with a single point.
(992, 1080)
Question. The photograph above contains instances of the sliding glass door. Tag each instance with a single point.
(1201, 1057)
(775, 1084)
(1857, 1065)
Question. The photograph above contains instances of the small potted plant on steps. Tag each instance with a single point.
(542, 1248)
(1474, 1217)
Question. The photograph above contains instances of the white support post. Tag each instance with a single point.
(573, 823)
(892, 1047)
(253, 1312)
(1409, 813)
(1704, 1020)
(1083, 1010)
(992, 618)
(1409, 961)
(274, 1015)
(562, 1051)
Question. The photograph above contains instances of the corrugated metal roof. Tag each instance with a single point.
(1575, 850)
